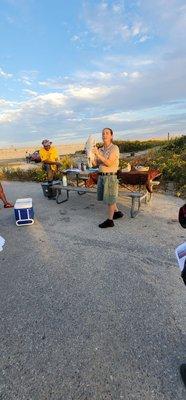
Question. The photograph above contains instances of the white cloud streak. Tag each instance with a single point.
(4, 74)
(110, 22)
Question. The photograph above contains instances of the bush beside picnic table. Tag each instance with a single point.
(170, 160)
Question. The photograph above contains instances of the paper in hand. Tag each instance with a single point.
(181, 255)
(2, 242)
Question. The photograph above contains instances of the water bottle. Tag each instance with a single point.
(83, 166)
(64, 180)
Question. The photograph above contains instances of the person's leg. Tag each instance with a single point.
(2, 195)
(4, 199)
(49, 171)
(109, 196)
(111, 209)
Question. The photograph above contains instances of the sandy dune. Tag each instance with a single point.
(20, 152)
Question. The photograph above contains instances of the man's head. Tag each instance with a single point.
(46, 144)
(107, 135)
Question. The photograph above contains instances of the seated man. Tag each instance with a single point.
(4, 199)
(50, 159)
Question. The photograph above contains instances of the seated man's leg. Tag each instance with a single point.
(50, 173)
(50, 176)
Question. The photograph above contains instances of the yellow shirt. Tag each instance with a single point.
(49, 155)
(106, 152)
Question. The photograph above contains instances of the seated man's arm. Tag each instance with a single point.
(54, 162)
(51, 162)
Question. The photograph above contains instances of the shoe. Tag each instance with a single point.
(117, 214)
(183, 373)
(8, 205)
(107, 224)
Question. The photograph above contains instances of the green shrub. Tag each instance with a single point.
(171, 161)
(37, 175)
(129, 146)
(66, 161)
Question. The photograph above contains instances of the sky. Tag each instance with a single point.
(69, 69)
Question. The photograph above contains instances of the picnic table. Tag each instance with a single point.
(139, 186)
(139, 178)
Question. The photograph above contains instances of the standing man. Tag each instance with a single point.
(107, 157)
(50, 159)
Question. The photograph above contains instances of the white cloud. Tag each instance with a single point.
(144, 38)
(75, 38)
(135, 75)
(56, 83)
(110, 22)
(92, 76)
(87, 93)
(5, 74)
(9, 116)
(28, 77)
(30, 92)
(4, 103)
(53, 99)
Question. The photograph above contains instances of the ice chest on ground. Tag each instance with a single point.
(24, 213)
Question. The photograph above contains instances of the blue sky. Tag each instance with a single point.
(68, 69)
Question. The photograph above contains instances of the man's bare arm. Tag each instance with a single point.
(106, 161)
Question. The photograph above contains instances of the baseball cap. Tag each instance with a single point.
(46, 142)
(182, 216)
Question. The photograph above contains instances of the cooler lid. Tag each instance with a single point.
(23, 203)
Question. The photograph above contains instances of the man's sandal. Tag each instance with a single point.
(8, 205)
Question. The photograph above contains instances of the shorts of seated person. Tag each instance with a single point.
(107, 189)
(50, 172)
(46, 167)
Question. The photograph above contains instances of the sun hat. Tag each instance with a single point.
(46, 142)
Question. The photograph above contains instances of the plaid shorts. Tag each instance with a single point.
(107, 189)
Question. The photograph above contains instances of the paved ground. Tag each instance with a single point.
(91, 314)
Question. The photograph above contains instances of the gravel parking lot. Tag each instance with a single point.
(91, 314)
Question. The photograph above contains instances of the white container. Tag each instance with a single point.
(64, 180)
(24, 213)
(127, 168)
(142, 168)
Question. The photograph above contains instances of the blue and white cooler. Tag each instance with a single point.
(24, 213)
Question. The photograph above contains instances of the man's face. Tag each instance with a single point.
(106, 135)
(47, 147)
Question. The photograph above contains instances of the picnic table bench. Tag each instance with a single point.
(136, 196)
